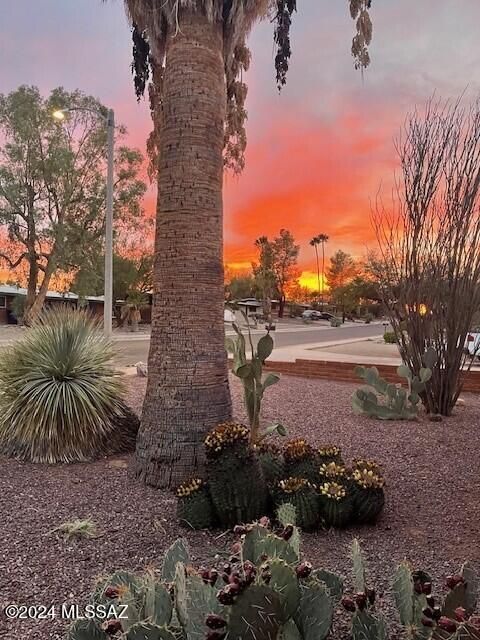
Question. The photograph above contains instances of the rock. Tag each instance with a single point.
(141, 369)
(461, 404)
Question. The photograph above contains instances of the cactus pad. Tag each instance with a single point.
(177, 552)
(366, 626)
(285, 584)
(86, 630)
(255, 615)
(145, 631)
(315, 611)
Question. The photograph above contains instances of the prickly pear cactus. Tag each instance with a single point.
(194, 505)
(237, 486)
(300, 493)
(336, 505)
(301, 460)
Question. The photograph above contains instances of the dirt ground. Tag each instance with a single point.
(431, 517)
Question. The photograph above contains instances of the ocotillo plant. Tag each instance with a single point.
(250, 373)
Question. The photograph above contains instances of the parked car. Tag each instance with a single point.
(312, 314)
(472, 343)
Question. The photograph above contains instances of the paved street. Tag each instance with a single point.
(135, 349)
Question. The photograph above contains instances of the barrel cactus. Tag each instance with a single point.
(235, 476)
(301, 460)
(302, 494)
(194, 505)
(368, 493)
(336, 504)
(272, 462)
(332, 471)
(330, 453)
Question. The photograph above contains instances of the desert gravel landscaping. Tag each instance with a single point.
(431, 516)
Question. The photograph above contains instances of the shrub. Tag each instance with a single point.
(77, 529)
(18, 307)
(389, 337)
(336, 322)
(368, 318)
(60, 398)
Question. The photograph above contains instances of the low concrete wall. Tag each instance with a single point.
(344, 372)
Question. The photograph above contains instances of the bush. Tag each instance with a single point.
(60, 398)
(368, 318)
(335, 322)
(18, 307)
(389, 337)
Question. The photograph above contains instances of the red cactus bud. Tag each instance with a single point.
(437, 613)
(427, 588)
(212, 576)
(215, 635)
(112, 592)
(287, 533)
(361, 600)
(348, 604)
(265, 522)
(452, 581)
(111, 627)
(234, 578)
(370, 595)
(427, 622)
(225, 597)
(227, 568)
(460, 614)
(234, 588)
(417, 585)
(447, 625)
(430, 601)
(236, 548)
(249, 567)
(239, 530)
(304, 570)
(428, 613)
(214, 621)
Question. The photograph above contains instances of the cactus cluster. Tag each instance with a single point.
(423, 616)
(264, 592)
(245, 481)
(396, 402)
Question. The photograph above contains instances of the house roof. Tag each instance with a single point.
(8, 289)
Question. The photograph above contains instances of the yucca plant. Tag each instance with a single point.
(60, 397)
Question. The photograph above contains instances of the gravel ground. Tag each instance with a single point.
(431, 517)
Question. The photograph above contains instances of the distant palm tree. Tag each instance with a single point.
(322, 238)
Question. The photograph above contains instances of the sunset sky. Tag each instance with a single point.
(319, 151)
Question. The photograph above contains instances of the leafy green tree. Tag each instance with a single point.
(52, 184)
(240, 287)
(285, 259)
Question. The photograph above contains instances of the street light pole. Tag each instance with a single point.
(109, 119)
(108, 293)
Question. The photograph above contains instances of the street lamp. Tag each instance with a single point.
(109, 119)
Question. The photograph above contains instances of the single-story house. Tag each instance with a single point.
(9, 292)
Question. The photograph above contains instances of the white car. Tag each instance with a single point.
(472, 343)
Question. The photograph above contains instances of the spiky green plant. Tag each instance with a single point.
(302, 495)
(194, 505)
(60, 396)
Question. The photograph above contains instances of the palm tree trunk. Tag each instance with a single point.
(318, 271)
(187, 390)
(323, 270)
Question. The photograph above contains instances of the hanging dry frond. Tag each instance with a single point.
(141, 61)
(363, 37)
(281, 36)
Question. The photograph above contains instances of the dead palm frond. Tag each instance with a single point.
(77, 529)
